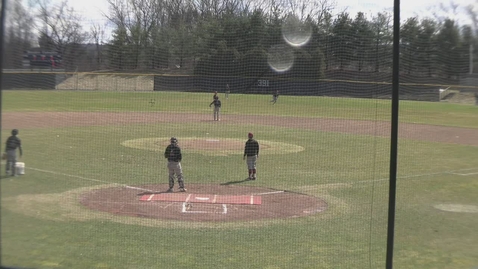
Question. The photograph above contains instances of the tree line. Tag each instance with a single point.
(234, 37)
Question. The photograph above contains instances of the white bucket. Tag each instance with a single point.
(20, 168)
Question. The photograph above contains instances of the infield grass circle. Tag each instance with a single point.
(212, 146)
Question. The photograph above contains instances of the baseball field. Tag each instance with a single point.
(92, 195)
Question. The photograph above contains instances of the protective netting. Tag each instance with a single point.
(312, 80)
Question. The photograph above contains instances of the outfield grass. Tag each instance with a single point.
(432, 113)
(43, 226)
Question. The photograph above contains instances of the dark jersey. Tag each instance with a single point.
(251, 148)
(216, 102)
(13, 142)
(173, 153)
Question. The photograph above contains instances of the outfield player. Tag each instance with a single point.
(13, 143)
(275, 96)
(251, 152)
(217, 107)
(228, 91)
(174, 156)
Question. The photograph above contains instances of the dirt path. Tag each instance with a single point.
(442, 134)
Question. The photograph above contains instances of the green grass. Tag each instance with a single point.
(432, 113)
(348, 171)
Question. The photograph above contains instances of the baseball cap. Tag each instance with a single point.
(250, 135)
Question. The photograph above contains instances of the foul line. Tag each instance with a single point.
(452, 172)
(89, 179)
(467, 174)
(271, 192)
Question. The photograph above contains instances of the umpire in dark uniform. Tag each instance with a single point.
(13, 143)
(251, 152)
(174, 156)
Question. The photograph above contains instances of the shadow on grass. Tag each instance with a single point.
(235, 182)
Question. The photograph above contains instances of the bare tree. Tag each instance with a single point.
(303, 9)
(274, 9)
(61, 26)
(472, 11)
(138, 21)
(322, 9)
(299, 8)
(98, 36)
(18, 37)
(443, 11)
(210, 8)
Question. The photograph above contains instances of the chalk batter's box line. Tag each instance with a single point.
(185, 210)
(204, 198)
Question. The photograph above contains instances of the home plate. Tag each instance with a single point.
(203, 198)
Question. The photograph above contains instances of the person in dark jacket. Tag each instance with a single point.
(174, 156)
(217, 107)
(251, 152)
(13, 143)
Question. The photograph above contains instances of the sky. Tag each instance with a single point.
(409, 8)
(93, 10)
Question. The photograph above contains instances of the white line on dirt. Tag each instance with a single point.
(134, 188)
(184, 208)
(224, 207)
(270, 192)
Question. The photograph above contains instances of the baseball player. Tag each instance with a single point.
(217, 107)
(13, 143)
(174, 156)
(228, 91)
(275, 96)
(251, 152)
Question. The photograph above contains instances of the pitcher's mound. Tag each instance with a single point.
(203, 202)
